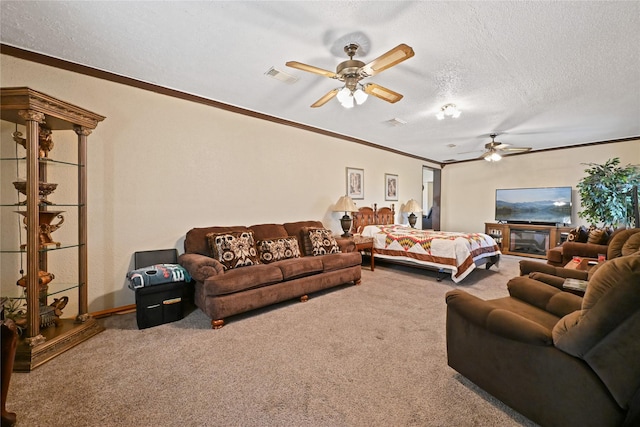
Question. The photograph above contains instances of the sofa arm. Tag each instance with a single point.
(346, 244)
(498, 321)
(200, 267)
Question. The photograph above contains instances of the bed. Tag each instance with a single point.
(453, 252)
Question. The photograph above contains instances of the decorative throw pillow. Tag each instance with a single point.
(323, 242)
(597, 236)
(277, 249)
(579, 234)
(233, 249)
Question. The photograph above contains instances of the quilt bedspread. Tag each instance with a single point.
(454, 251)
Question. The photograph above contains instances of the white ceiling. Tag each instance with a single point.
(541, 74)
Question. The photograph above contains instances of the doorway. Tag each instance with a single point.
(430, 198)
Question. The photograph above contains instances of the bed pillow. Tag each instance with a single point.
(277, 249)
(233, 249)
(322, 242)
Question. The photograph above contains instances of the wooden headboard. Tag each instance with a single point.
(367, 216)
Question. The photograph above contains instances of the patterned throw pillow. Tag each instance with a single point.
(277, 249)
(233, 249)
(323, 242)
(579, 234)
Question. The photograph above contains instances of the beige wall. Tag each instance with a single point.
(159, 166)
(468, 189)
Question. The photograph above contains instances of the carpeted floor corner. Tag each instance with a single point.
(369, 355)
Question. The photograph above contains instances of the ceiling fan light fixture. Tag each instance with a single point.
(493, 157)
(360, 96)
(343, 95)
(449, 110)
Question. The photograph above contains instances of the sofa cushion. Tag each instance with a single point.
(339, 261)
(598, 236)
(322, 242)
(268, 231)
(632, 245)
(300, 267)
(196, 239)
(241, 279)
(233, 249)
(278, 249)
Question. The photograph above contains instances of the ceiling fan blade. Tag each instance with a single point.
(382, 93)
(326, 98)
(387, 60)
(311, 69)
(516, 149)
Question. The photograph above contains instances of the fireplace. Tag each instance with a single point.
(534, 242)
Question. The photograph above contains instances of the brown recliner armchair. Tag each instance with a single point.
(623, 242)
(561, 255)
(557, 358)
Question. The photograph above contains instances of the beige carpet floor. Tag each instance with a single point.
(369, 355)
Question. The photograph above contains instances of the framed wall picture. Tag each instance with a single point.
(390, 187)
(355, 183)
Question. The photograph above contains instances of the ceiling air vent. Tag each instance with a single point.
(396, 122)
(281, 75)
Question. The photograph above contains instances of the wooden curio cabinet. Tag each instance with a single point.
(46, 332)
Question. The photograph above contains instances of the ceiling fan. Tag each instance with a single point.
(495, 149)
(352, 71)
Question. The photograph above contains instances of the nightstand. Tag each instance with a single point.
(365, 244)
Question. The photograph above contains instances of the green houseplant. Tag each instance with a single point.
(606, 193)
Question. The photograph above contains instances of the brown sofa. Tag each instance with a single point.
(221, 292)
(561, 255)
(623, 242)
(557, 358)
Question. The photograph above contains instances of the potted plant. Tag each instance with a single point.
(606, 193)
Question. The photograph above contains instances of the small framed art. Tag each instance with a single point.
(355, 183)
(390, 187)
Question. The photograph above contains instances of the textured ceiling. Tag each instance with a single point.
(541, 74)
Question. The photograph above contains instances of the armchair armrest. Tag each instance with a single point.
(200, 267)
(584, 250)
(544, 296)
(530, 267)
(498, 321)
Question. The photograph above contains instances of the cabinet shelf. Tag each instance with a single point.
(42, 250)
(67, 287)
(44, 160)
(43, 205)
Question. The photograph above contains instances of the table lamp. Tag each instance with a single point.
(412, 206)
(345, 204)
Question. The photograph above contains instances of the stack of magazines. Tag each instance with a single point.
(575, 284)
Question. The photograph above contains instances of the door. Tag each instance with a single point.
(430, 198)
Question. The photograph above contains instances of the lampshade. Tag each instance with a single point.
(360, 96)
(345, 204)
(411, 206)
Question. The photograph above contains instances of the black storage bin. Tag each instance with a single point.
(159, 304)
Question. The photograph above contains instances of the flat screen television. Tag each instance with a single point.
(546, 205)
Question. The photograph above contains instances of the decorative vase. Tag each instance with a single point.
(46, 227)
(44, 189)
